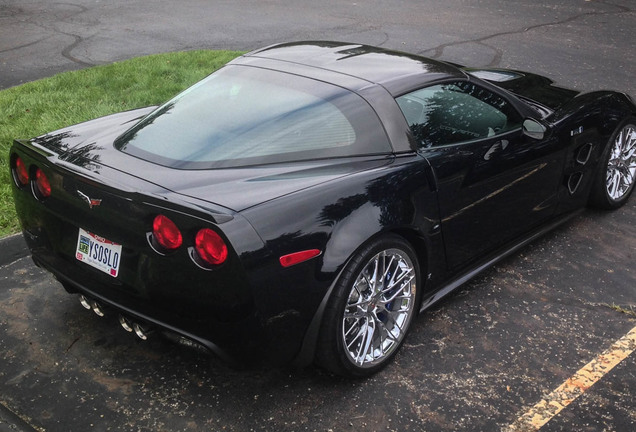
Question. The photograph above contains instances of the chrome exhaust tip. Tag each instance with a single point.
(126, 323)
(91, 305)
(97, 308)
(85, 302)
(141, 331)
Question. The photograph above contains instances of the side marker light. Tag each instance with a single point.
(298, 257)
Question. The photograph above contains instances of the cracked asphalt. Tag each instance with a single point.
(475, 362)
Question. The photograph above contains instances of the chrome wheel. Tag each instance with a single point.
(621, 167)
(379, 308)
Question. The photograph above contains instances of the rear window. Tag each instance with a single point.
(242, 116)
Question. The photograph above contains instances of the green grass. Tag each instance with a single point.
(628, 310)
(42, 106)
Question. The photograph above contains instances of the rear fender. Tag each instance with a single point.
(338, 218)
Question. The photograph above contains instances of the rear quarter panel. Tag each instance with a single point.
(338, 218)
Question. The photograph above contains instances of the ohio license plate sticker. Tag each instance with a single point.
(98, 252)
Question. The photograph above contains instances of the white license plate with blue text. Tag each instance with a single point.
(98, 252)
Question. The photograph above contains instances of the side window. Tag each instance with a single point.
(456, 112)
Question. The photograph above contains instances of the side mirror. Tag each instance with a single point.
(533, 129)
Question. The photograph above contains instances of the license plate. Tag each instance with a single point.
(98, 252)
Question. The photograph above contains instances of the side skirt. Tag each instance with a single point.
(492, 259)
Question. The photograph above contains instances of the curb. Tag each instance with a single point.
(12, 248)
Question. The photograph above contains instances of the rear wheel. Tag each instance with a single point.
(616, 176)
(371, 309)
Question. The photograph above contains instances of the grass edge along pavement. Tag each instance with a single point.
(68, 98)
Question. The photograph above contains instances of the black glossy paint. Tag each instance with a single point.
(457, 206)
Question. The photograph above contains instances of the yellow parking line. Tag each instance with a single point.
(575, 386)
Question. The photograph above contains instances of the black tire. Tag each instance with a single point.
(366, 323)
(616, 173)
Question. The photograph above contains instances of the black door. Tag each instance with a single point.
(494, 182)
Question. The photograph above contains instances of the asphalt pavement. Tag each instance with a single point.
(476, 362)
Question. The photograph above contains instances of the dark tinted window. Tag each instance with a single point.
(456, 112)
(243, 116)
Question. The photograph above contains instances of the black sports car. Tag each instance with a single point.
(307, 200)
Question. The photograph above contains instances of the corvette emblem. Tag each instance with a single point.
(92, 202)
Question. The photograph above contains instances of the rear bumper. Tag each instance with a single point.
(238, 340)
(250, 334)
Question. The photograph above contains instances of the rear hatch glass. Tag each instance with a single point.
(242, 116)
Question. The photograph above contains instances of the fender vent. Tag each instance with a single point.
(584, 153)
(574, 181)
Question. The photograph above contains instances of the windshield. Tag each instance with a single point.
(243, 116)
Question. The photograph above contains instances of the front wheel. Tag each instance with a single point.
(371, 309)
(616, 176)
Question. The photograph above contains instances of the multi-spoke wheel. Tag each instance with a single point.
(371, 309)
(616, 178)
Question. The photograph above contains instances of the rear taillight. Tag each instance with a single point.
(165, 233)
(42, 185)
(210, 247)
(21, 172)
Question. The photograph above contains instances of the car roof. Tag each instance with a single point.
(396, 71)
